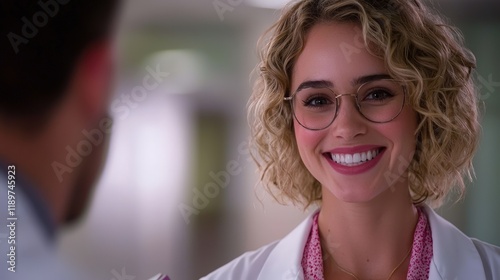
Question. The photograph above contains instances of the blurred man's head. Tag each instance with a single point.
(55, 85)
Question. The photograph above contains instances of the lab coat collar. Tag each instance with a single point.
(454, 254)
(288, 254)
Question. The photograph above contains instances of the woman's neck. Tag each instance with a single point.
(368, 239)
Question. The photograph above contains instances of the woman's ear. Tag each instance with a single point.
(92, 79)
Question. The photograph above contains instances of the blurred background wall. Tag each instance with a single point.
(179, 193)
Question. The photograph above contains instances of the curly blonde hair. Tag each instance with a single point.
(418, 48)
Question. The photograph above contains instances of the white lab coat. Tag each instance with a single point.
(455, 256)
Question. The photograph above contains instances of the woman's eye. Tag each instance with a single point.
(317, 101)
(378, 95)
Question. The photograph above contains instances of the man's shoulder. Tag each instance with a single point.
(246, 266)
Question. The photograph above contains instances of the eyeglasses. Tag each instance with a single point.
(379, 101)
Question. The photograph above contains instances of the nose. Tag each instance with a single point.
(349, 123)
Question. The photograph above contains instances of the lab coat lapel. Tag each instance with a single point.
(454, 255)
(284, 262)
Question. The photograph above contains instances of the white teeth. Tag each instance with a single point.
(348, 158)
(354, 159)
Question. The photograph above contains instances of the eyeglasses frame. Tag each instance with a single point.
(358, 106)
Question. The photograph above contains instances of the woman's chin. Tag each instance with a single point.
(354, 196)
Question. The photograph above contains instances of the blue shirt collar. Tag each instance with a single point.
(38, 206)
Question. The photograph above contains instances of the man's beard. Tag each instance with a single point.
(88, 174)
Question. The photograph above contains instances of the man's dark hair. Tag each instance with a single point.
(40, 43)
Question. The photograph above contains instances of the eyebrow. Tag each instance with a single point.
(365, 79)
(355, 82)
(314, 84)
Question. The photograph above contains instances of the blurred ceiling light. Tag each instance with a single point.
(187, 69)
(268, 4)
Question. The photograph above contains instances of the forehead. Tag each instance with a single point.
(335, 52)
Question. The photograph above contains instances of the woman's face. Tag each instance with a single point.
(334, 54)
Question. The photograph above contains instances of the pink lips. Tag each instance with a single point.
(355, 169)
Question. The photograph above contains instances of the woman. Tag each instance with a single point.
(376, 100)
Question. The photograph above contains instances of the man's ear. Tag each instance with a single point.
(92, 79)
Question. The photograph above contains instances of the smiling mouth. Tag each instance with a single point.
(356, 158)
